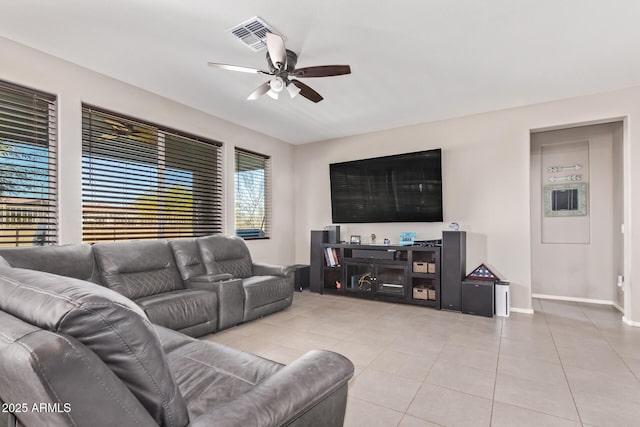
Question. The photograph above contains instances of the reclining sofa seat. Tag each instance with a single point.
(267, 288)
(145, 272)
(70, 342)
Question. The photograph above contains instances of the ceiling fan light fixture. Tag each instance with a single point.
(293, 90)
(277, 84)
(273, 94)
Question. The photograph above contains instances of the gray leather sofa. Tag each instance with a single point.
(93, 358)
(264, 288)
(195, 286)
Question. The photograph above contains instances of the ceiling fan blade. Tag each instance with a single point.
(307, 92)
(237, 68)
(322, 71)
(277, 51)
(261, 90)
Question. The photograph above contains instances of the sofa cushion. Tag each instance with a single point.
(4, 263)
(138, 269)
(225, 254)
(181, 309)
(109, 324)
(38, 366)
(210, 374)
(66, 260)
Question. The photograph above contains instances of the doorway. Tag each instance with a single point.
(577, 214)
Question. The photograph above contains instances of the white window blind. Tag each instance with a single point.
(28, 167)
(144, 181)
(252, 194)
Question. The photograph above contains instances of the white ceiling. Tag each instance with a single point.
(412, 61)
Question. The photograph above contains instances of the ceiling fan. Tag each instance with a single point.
(282, 66)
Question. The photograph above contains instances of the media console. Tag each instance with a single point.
(406, 274)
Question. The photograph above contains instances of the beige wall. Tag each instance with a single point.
(574, 256)
(75, 85)
(486, 163)
(618, 210)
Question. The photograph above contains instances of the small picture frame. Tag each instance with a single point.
(562, 200)
(355, 239)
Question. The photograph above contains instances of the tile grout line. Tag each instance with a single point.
(555, 345)
(425, 381)
(610, 346)
(495, 379)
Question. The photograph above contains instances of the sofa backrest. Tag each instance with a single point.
(39, 367)
(66, 260)
(139, 268)
(188, 259)
(225, 254)
(114, 328)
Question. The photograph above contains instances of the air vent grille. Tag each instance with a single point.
(252, 33)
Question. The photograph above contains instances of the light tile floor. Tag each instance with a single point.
(569, 364)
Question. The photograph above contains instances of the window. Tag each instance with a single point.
(28, 175)
(142, 181)
(253, 194)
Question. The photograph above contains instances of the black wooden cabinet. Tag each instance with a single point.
(404, 274)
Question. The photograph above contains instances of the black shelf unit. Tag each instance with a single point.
(404, 274)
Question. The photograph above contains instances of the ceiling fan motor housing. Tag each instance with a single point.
(292, 58)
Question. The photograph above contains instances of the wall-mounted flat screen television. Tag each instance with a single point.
(399, 188)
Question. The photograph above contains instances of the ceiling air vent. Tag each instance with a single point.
(252, 33)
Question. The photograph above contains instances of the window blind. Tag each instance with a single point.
(252, 194)
(143, 181)
(28, 167)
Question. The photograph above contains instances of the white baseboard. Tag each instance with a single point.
(620, 309)
(592, 301)
(573, 299)
(522, 310)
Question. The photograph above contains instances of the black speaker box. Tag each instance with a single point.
(301, 276)
(454, 267)
(317, 259)
(477, 297)
(334, 233)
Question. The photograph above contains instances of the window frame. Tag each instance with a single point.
(266, 194)
(173, 191)
(44, 116)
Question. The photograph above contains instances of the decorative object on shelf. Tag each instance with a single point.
(565, 178)
(355, 239)
(556, 169)
(562, 200)
(407, 238)
(338, 284)
(387, 241)
(454, 226)
(373, 238)
(482, 272)
(365, 281)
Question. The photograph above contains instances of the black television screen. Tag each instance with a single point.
(400, 188)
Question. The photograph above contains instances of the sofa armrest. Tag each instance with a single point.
(208, 278)
(289, 394)
(230, 296)
(264, 269)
